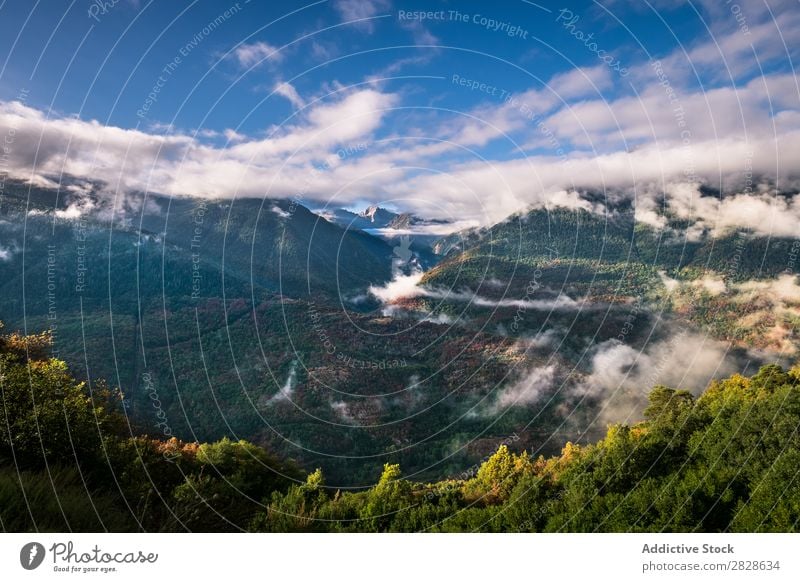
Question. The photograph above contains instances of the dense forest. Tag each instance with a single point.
(220, 308)
(728, 460)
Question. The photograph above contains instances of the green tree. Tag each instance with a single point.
(500, 473)
(391, 495)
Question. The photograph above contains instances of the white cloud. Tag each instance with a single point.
(710, 113)
(401, 287)
(323, 51)
(631, 143)
(421, 35)
(361, 12)
(488, 192)
(536, 383)
(764, 213)
(76, 209)
(249, 55)
(713, 285)
(668, 282)
(286, 391)
(6, 254)
(408, 286)
(710, 284)
(581, 82)
(735, 54)
(133, 160)
(779, 291)
(280, 212)
(288, 91)
(433, 229)
(233, 136)
(622, 376)
(483, 192)
(343, 410)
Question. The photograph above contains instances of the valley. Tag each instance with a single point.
(261, 320)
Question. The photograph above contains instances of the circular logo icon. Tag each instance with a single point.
(31, 555)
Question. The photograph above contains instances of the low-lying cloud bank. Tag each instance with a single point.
(688, 360)
(425, 229)
(744, 141)
(530, 389)
(615, 384)
(622, 376)
(408, 286)
(400, 287)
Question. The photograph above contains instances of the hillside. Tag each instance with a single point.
(726, 461)
(258, 320)
(164, 304)
(614, 263)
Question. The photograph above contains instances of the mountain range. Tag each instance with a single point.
(304, 332)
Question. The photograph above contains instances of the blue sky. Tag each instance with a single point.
(102, 65)
(468, 116)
